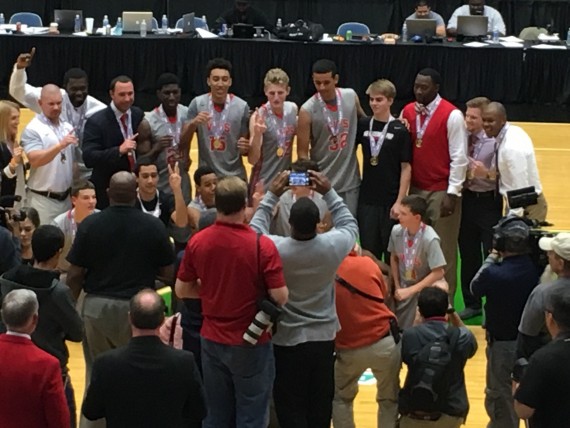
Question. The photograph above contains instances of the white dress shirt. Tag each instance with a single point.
(495, 19)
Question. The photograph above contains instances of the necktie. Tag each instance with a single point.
(130, 154)
(471, 145)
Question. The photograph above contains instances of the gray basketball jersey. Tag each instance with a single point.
(273, 160)
(221, 154)
(336, 156)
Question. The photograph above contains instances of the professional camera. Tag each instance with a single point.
(267, 316)
(519, 369)
(7, 213)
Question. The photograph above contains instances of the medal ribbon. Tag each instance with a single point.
(420, 130)
(71, 113)
(411, 246)
(334, 130)
(498, 141)
(175, 129)
(280, 125)
(156, 212)
(377, 143)
(218, 119)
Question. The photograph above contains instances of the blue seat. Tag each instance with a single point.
(355, 27)
(198, 23)
(28, 18)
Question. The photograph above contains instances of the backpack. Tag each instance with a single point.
(427, 384)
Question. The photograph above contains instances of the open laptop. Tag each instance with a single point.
(421, 27)
(132, 21)
(472, 25)
(65, 19)
(189, 23)
(243, 31)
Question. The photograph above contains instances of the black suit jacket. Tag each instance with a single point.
(7, 185)
(146, 384)
(102, 137)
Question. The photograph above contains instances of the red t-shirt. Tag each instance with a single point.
(224, 258)
(362, 320)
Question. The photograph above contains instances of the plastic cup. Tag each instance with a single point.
(89, 25)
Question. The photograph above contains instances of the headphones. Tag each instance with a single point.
(500, 234)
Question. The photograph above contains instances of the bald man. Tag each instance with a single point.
(50, 144)
(115, 254)
(514, 165)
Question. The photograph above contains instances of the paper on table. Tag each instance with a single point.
(548, 38)
(475, 44)
(174, 30)
(80, 33)
(512, 45)
(205, 34)
(546, 47)
(12, 27)
(35, 30)
(511, 39)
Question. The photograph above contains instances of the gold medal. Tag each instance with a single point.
(333, 139)
(492, 174)
(280, 151)
(470, 175)
(374, 160)
(418, 142)
(217, 144)
(409, 275)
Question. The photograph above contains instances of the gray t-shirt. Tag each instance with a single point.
(161, 126)
(280, 224)
(222, 156)
(428, 255)
(432, 15)
(270, 163)
(336, 156)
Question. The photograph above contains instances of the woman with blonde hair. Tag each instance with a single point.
(11, 153)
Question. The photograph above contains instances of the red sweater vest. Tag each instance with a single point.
(430, 162)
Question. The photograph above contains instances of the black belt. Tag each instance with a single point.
(472, 194)
(425, 416)
(58, 196)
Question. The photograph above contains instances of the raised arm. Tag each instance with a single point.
(257, 128)
(22, 92)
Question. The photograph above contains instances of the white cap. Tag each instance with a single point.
(560, 244)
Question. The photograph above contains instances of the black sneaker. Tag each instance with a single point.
(467, 313)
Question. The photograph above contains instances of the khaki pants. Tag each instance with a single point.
(445, 421)
(538, 211)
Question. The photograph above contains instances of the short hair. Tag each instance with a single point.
(74, 73)
(6, 108)
(478, 102)
(18, 306)
(200, 172)
(222, 63)
(276, 76)
(304, 165)
(167, 79)
(322, 66)
(382, 86)
(144, 161)
(498, 108)
(145, 316)
(416, 204)
(231, 195)
(420, 3)
(304, 216)
(558, 305)
(119, 79)
(47, 240)
(33, 215)
(80, 185)
(207, 218)
(433, 302)
(431, 73)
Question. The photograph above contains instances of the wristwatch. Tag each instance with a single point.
(450, 310)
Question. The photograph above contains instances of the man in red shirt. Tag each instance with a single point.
(439, 163)
(231, 269)
(364, 341)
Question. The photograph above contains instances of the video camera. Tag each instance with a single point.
(7, 213)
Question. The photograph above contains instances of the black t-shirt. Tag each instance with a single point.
(121, 249)
(166, 206)
(545, 385)
(381, 183)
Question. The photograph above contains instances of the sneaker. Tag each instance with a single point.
(467, 313)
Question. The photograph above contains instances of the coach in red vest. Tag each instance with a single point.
(439, 162)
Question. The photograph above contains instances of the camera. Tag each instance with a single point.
(299, 179)
(7, 213)
(263, 321)
(519, 369)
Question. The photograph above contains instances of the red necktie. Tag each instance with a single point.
(130, 154)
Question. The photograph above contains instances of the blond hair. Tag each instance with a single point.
(382, 86)
(276, 76)
(479, 102)
(6, 108)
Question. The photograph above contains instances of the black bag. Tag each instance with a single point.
(427, 383)
(301, 30)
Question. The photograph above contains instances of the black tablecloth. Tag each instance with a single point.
(507, 75)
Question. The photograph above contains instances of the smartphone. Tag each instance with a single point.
(299, 179)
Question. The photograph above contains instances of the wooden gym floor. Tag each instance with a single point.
(552, 147)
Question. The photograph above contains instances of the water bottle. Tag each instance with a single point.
(205, 21)
(279, 23)
(404, 33)
(143, 28)
(568, 37)
(164, 24)
(349, 35)
(77, 25)
(119, 27)
(105, 22)
(2, 19)
(224, 29)
(495, 36)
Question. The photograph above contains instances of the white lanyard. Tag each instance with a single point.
(376, 143)
(217, 120)
(410, 251)
(72, 113)
(279, 123)
(334, 130)
(156, 212)
(421, 129)
(174, 128)
(127, 133)
(498, 141)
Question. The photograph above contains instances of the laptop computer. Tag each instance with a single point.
(65, 19)
(132, 21)
(472, 25)
(189, 23)
(421, 27)
(243, 31)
